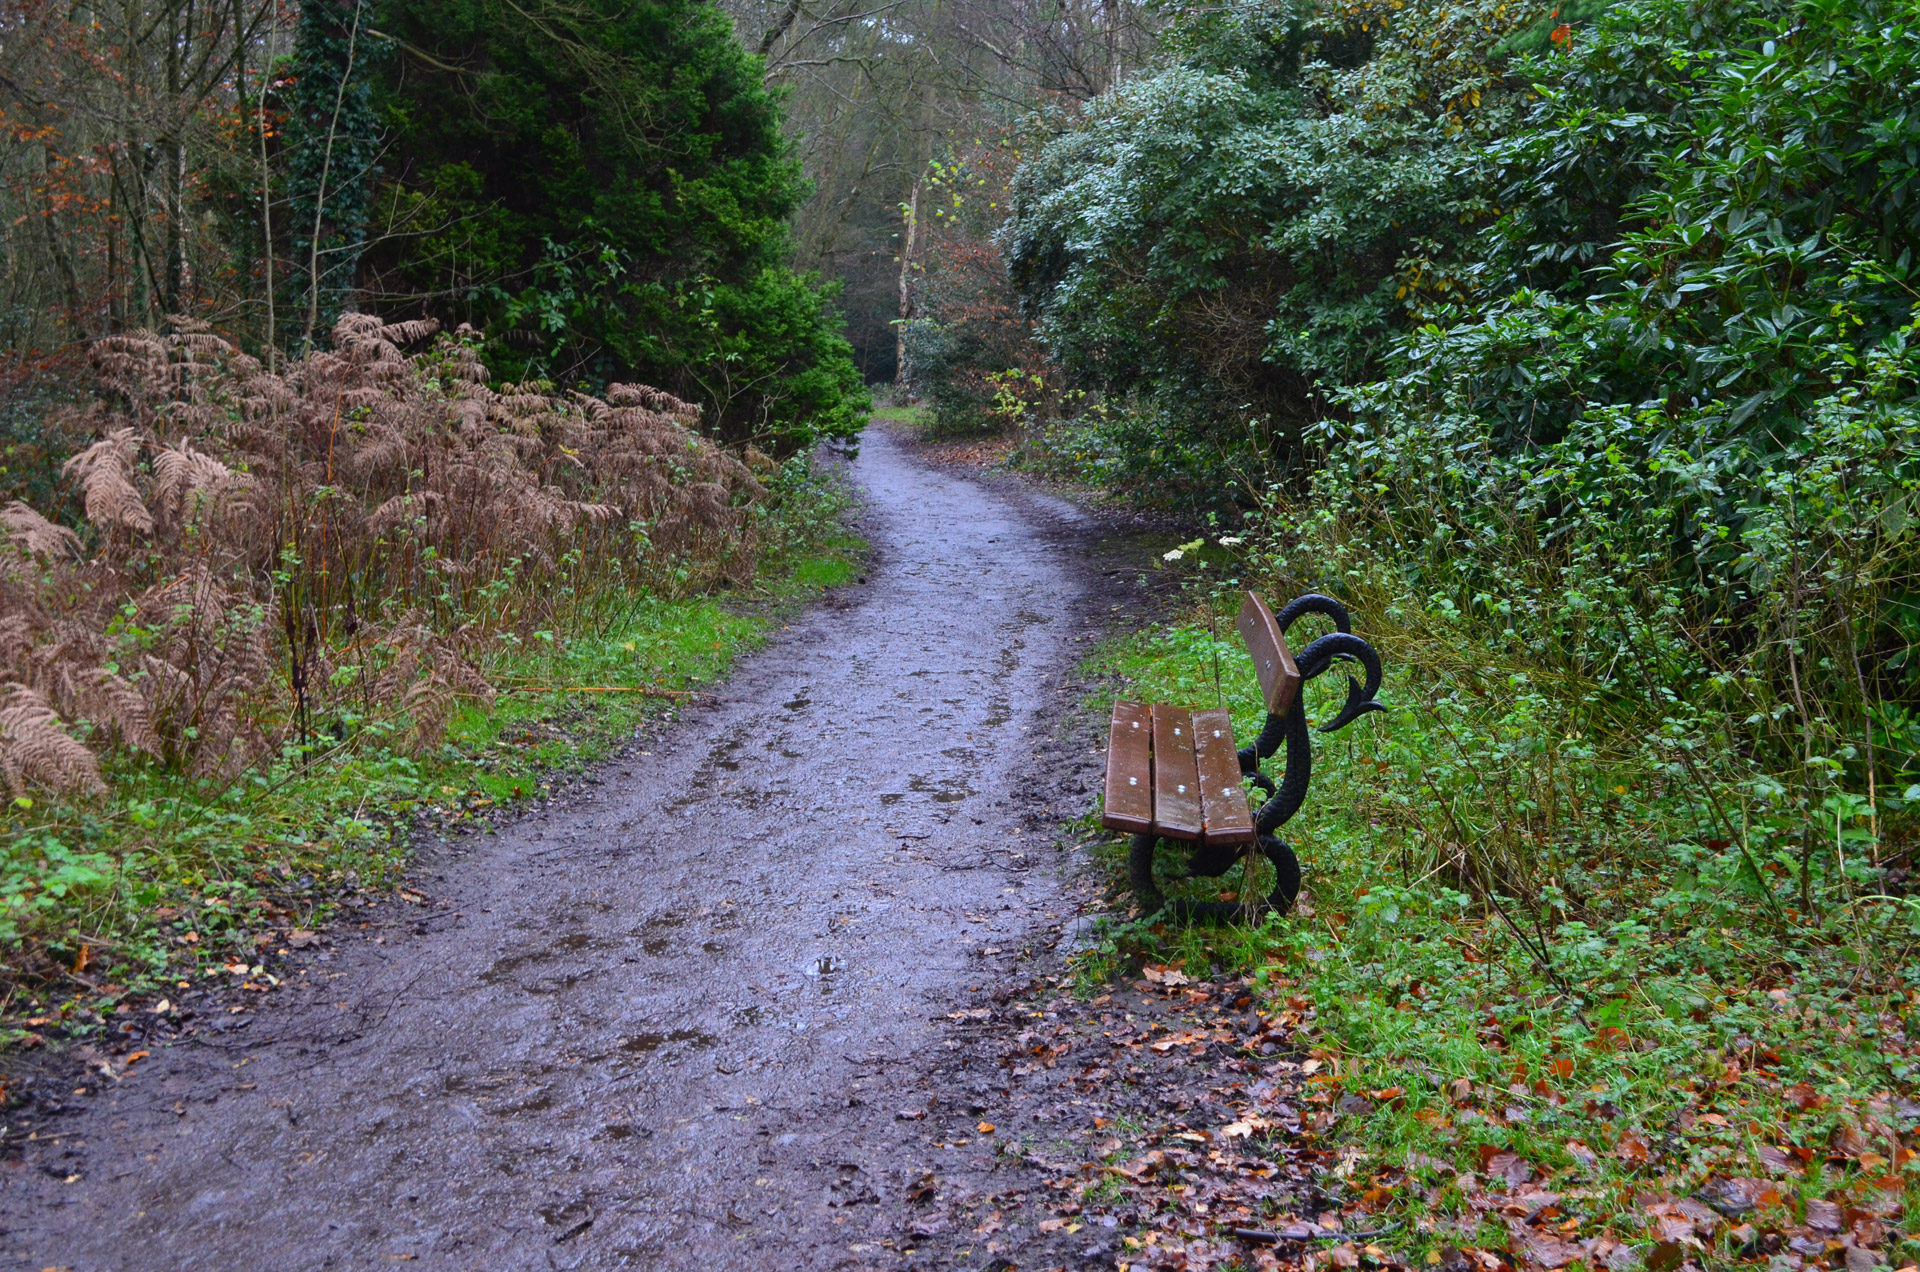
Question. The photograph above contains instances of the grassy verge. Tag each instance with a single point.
(916, 417)
(170, 880)
(1630, 1047)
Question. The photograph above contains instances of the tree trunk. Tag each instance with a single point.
(173, 154)
(909, 238)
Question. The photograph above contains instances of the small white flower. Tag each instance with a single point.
(1231, 541)
(1174, 555)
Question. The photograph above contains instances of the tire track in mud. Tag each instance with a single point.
(674, 1016)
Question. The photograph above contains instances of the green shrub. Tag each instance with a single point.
(604, 190)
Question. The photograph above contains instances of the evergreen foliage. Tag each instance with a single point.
(604, 190)
(1229, 236)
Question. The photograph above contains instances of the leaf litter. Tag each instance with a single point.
(1181, 1123)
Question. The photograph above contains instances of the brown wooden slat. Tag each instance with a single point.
(1176, 783)
(1279, 675)
(1223, 800)
(1129, 770)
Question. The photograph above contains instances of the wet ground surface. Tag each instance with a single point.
(674, 1021)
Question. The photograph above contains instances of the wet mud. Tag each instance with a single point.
(674, 1020)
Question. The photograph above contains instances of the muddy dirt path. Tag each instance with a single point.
(669, 1022)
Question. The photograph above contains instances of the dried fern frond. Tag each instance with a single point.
(372, 474)
(105, 471)
(353, 327)
(36, 534)
(412, 331)
(186, 480)
(35, 748)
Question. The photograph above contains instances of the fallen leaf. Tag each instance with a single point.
(1163, 974)
(1867, 1231)
(1778, 1160)
(1139, 1168)
(160, 1008)
(910, 1115)
(985, 1128)
(922, 1188)
(1702, 1218)
(1344, 1256)
(1550, 1251)
(1511, 1167)
(1823, 1216)
(1053, 1225)
(1804, 1097)
(301, 938)
(411, 897)
(137, 1056)
(1665, 1256)
(1581, 1153)
(1632, 1149)
(1733, 1197)
(1848, 1141)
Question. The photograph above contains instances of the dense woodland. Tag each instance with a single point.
(360, 359)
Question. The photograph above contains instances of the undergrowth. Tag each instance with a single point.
(1608, 998)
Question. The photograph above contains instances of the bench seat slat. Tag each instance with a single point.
(1129, 770)
(1176, 782)
(1223, 800)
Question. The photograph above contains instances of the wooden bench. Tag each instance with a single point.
(1175, 773)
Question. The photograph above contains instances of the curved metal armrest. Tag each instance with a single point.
(1266, 744)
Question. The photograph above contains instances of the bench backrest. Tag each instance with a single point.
(1279, 674)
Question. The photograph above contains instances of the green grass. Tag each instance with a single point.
(168, 878)
(919, 417)
(1632, 1017)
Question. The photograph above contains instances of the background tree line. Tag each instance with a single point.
(602, 188)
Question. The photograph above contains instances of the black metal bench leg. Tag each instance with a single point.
(1146, 885)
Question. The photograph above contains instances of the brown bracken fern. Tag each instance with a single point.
(266, 550)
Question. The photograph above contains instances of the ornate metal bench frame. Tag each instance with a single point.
(1169, 776)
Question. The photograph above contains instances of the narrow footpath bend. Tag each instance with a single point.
(674, 1018)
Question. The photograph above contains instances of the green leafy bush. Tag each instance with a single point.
(1683, 480)
(1229, 236)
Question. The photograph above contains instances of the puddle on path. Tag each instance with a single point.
(948, 790)
(645, 1043)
